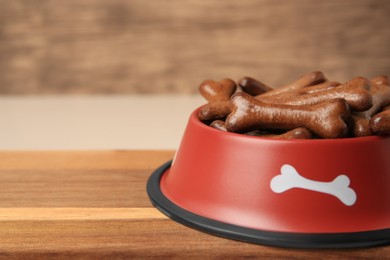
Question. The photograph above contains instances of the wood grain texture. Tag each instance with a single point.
(101, 211)
(77, 179)
(79, 214)
(76, 160)
(144, 239)
(119, 46)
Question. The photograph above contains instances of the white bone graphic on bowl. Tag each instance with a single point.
(290, 178)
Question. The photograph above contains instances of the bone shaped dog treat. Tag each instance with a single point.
(317, 88)
(360, 121)
(217, 91)
(297, 133)
(380, 123)
(290, 178)
(355, 92)
(285, 96)
(381, 80)
(252, 86)
(380, 97)
(218, 95)
(215, 110)
(218, 124)
(326, 119)
(359, 126)
(305, 80)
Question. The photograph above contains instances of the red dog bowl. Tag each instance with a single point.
(330, 193)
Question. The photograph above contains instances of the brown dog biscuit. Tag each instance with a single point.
(218, 124)
(218, 94)
(381, 80)
(318, 87)
(386, 108)
(355, 92)
(282, 97)
(359, 126)
(380, 98)
(360, 121)
(297, 133)
(380, 123)
(306, 80)
(326, 119)
(252, 86)
(215, 110)
(214, 91)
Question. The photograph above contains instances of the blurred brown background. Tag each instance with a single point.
(118, 46)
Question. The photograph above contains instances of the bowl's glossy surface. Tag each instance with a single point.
(290, 186)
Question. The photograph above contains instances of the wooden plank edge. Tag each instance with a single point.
(17, 214)
(85, 160)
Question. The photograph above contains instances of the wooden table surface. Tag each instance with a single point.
(93, 204)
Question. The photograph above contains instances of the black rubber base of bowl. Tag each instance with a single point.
(281, 239)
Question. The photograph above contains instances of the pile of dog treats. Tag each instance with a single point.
(309, 107)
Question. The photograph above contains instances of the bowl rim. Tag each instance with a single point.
(194, 119)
